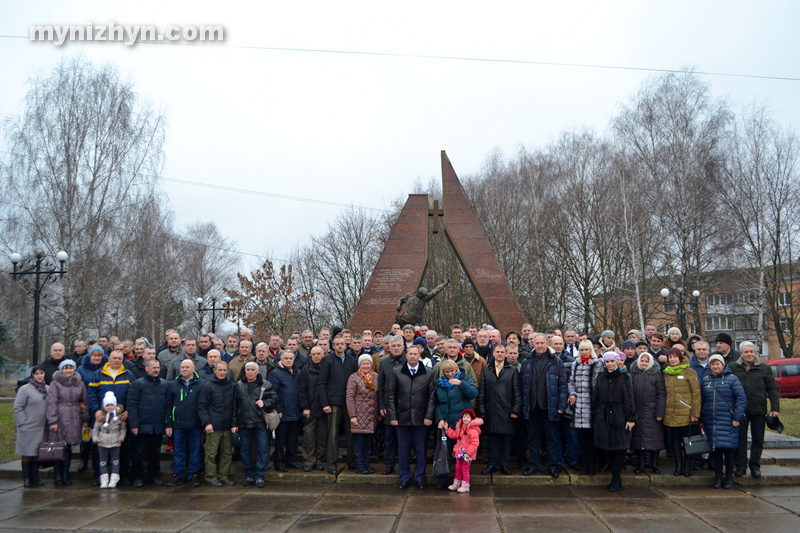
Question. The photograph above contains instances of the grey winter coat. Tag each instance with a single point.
(581, 382)
(64, 400)
(30, 416)
(650, 398)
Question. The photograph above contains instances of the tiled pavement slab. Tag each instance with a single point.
(336, 507)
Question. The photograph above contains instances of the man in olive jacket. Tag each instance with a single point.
(410, 404)
(759, 383)
(216, 408)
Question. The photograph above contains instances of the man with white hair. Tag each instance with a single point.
(759, 383)
(254, 397)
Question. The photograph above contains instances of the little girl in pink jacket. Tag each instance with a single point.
(467, 435)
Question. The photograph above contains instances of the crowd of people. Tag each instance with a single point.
(568, 400)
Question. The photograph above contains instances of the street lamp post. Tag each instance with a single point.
(39, 271)
(226, 304)
(680, 306)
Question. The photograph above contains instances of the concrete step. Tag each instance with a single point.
(771, 475)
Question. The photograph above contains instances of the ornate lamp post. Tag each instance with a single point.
(226, 304)
(680, 306)
(36, 272)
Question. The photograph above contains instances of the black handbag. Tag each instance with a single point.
(696, 444)
(441, 456)
(52, 451)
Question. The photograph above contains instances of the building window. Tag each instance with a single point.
(718, 323)
(719, 298)
(785, 299)
(746, 322)
(783, 324)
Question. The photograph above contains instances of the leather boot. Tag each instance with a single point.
(688, 462)
(616, 475)
(728, 483)
(26, 474)
(35, 473)
(677, 454)
(640, 468)
(84, 457)
(65, 470)
(654, 462)
(717, 482)
(58, 475)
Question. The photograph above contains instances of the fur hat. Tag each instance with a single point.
(66, 362)
(611, 356)
(364, 357)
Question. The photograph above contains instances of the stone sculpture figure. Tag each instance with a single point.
(414, 304)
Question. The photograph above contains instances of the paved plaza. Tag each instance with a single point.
(338, 507)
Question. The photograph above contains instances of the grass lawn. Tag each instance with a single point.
(790, 416)
(8, 432)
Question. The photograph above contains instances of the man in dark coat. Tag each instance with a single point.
(724, 345)
(334, 372)
(499, 404)
(285, 380)
(544, 398)
(410, 404)
(395, 358)
(315, 430)
(216, 408)
(147, 414)
(50, 364)
(183, 424)
(759, 383)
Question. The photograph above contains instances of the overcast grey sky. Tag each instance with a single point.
(359, 129)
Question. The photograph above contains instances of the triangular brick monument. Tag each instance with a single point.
(402, 263)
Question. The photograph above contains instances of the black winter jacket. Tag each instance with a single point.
(248, 414)
(499, 397)
(308, 395)
(612, 406)
(182, 402)
(410, 400)
(217, 404)
(333, 376)
(147, 405)
(759, 383)
(388, 364)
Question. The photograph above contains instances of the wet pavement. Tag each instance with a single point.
(338, 507)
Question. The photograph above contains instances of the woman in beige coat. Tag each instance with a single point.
(683, 406)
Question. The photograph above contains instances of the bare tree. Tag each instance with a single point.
(85, 153)
(344, 258)
(761, 191)
(675, 130)
(207, 267)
